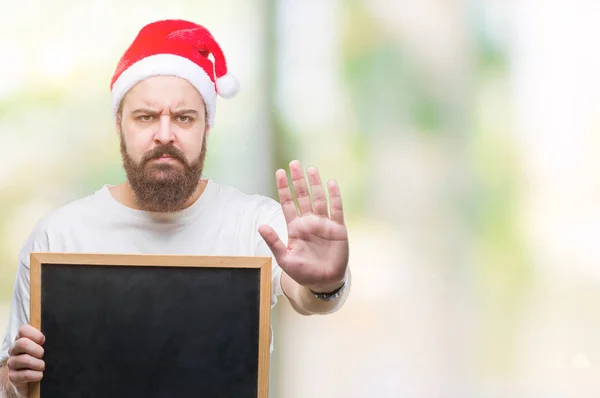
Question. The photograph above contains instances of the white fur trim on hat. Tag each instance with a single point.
(166, 65)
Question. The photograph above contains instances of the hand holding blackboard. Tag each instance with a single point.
(25, 364)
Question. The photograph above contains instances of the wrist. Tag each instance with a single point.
(330, 286)
(12, 391)
(7, 388)
(330, 291)
(326, 288)
(16, 393)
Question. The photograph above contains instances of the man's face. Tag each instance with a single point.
(162, 128)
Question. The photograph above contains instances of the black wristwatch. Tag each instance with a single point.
(328, 296)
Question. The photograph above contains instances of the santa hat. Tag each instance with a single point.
(175, 48)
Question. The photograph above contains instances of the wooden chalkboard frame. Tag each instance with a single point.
(40, 259)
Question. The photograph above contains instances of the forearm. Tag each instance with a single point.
(305, 303)
(7, 390)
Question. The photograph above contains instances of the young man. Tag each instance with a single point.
(164, 93)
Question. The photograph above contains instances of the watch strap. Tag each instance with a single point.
(327, 296)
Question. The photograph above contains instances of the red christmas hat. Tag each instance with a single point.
(175, 48)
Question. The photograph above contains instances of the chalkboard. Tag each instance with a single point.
(152, 325)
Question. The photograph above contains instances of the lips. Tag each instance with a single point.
(165, 154)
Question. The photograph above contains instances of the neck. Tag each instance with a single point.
(125, 195)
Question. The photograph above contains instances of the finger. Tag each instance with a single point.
(26, 346)
(24, 376)
(335, 202)
(272, 240)
(318, 193)
(31, 333)
(24, 362)
(285, 196)
(300, 188)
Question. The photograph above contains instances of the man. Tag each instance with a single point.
(163, 95)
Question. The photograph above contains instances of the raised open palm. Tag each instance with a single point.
(317, 252)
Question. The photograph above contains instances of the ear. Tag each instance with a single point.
(118, 121)
(206, 126)
(119, 118)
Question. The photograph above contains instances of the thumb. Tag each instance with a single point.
(272, 240)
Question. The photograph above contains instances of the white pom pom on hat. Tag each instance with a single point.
(228, 86)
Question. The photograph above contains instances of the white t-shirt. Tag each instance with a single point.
(223, 221)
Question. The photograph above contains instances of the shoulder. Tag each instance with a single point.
(233, 198)
(69, 212)
(251, 210)
(61, 218)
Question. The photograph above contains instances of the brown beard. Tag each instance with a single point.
(163, 187)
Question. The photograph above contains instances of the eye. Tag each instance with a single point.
(145, 118)
(184, 119)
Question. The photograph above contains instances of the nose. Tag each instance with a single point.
(164, 134)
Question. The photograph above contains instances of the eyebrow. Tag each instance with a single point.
(154, 111)
(184, 111)
(144, 110)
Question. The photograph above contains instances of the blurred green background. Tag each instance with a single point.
(464, 137)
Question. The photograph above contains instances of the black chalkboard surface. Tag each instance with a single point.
(151, 325)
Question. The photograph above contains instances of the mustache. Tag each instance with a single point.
(168, 150)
